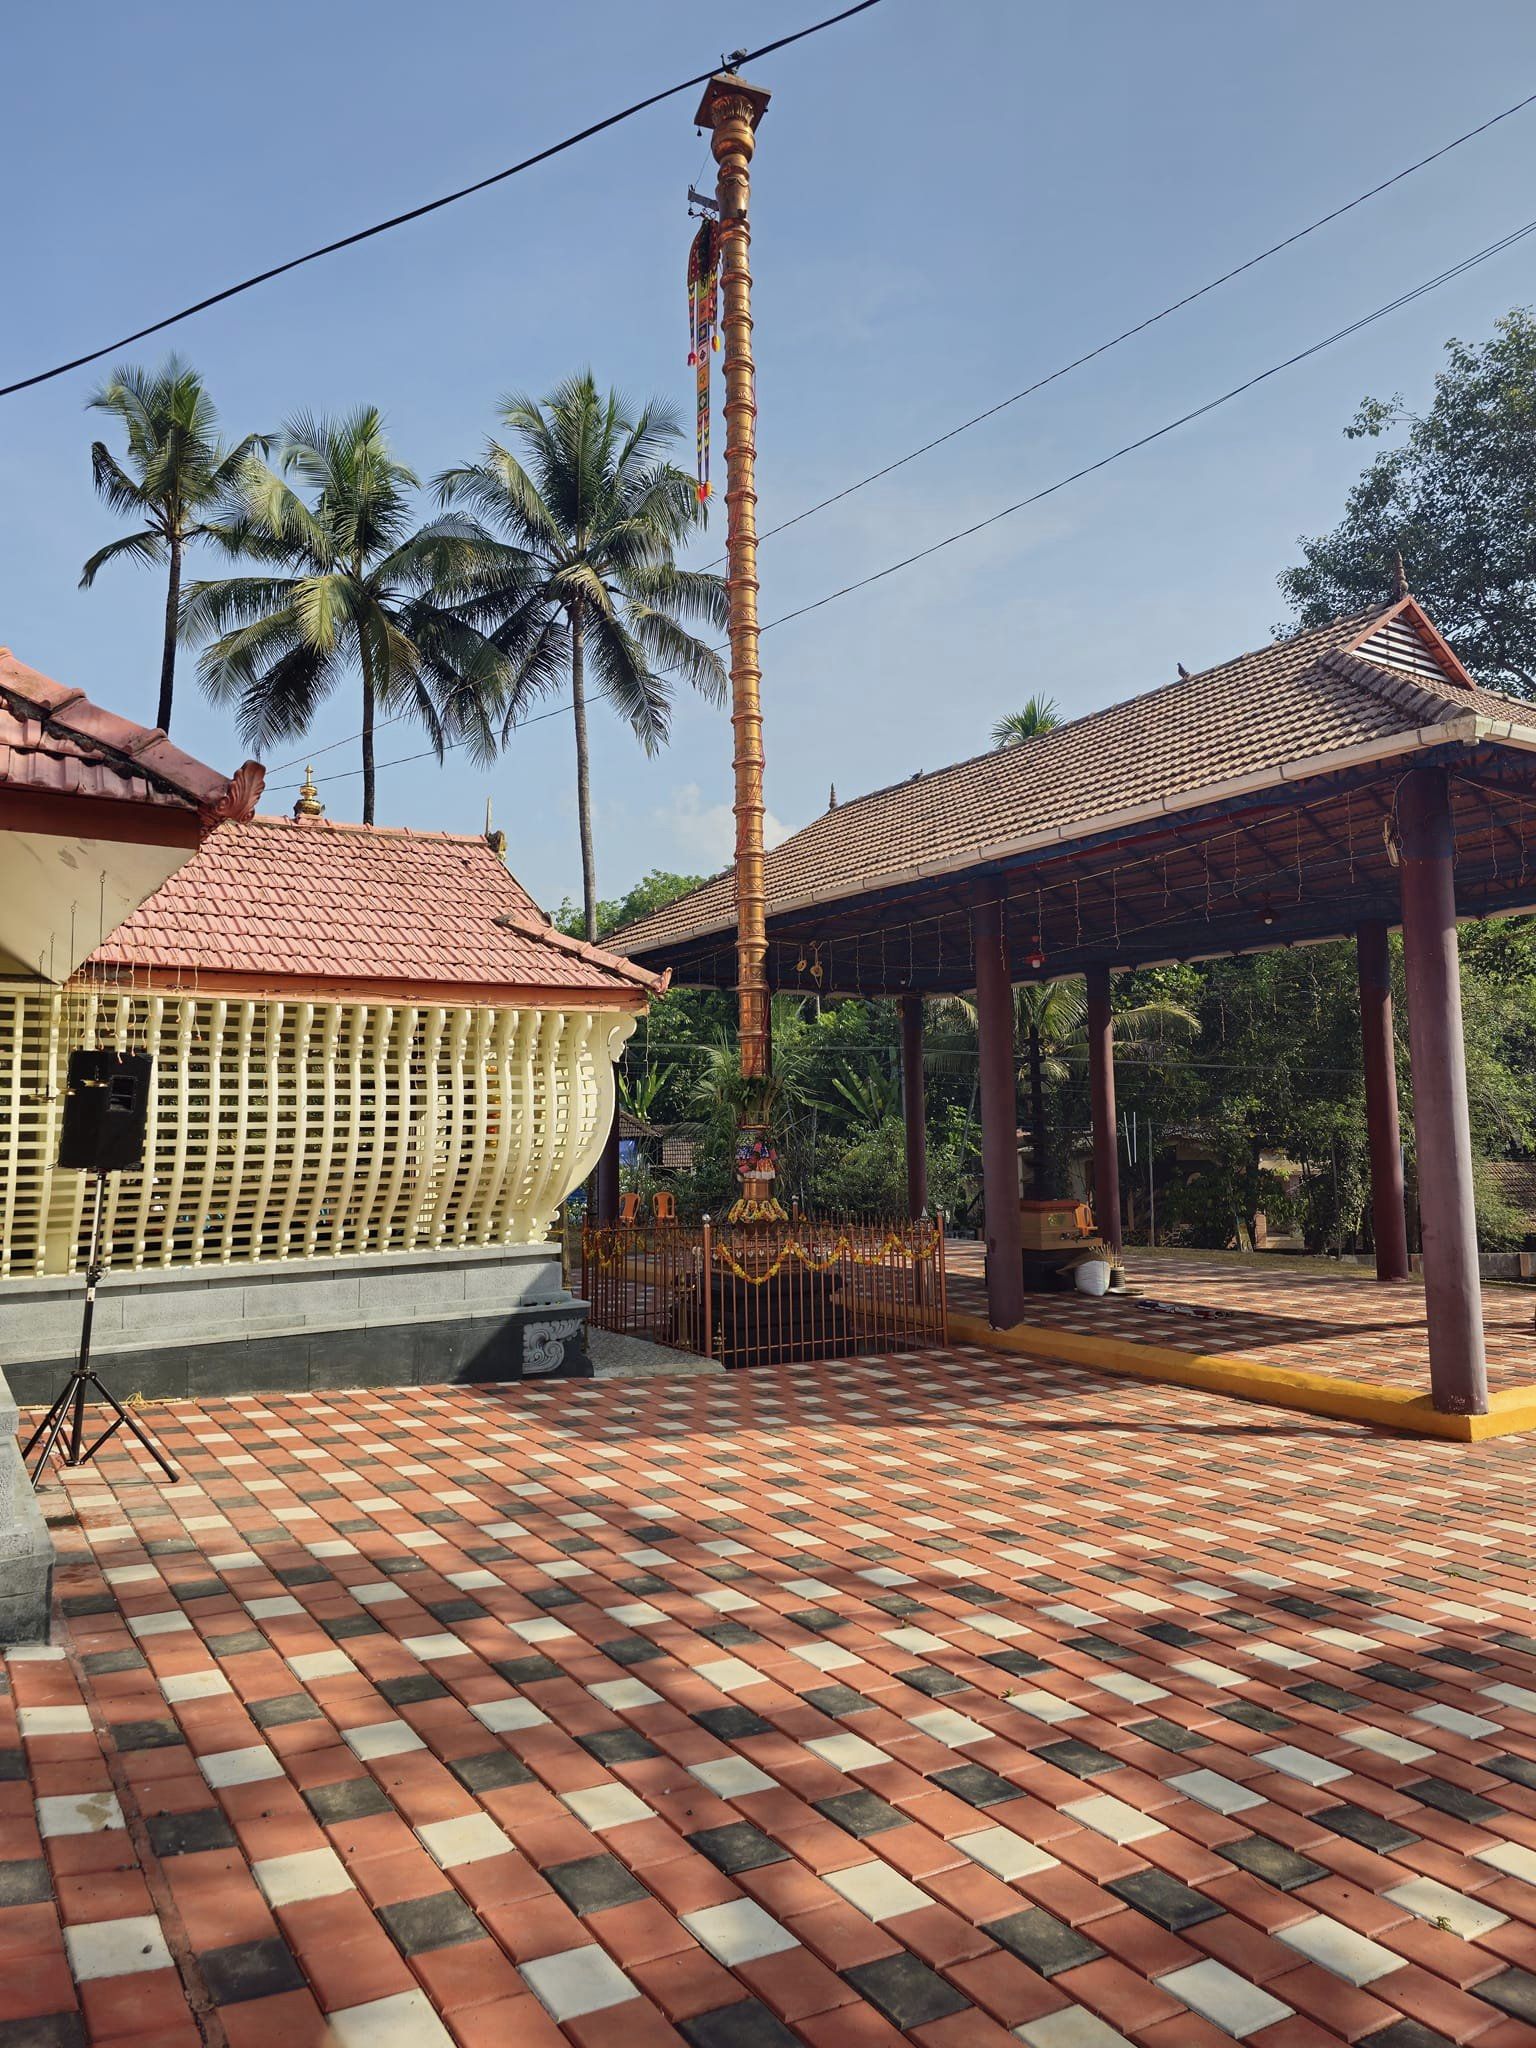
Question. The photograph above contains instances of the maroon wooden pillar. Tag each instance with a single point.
(608, 1174)
(1101, 1088)
(1458, 1372)
(999, 1119)
(1389, 1221)
(914, 1106)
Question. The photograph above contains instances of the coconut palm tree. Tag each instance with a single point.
(352, 586)
(1038, 715)
(178, 471)
(582, 524)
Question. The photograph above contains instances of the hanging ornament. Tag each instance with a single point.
(703, 336)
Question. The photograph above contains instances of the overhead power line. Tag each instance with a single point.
(1158, 433)
(1184, 419)
(383, 227)
(1141, 326)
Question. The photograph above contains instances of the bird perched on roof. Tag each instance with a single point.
(1183, 673)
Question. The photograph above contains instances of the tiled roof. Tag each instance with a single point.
(1288, 703)
(298, 901)
(55, 742)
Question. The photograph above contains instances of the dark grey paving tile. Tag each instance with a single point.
(159, 1734)
(250, 1969)
(348, 1799)
(929, 1679)
(1044, 1942)
(1163, 1899)
(103, 1663)
(594, 1883)
(526, 1670)
(187, 1834)
(1273, 1862)
(748, 2025)
(860, 1813)
(1405, 2034)
(1512, 1991)
(731, 1724)
(492, 1771)
(618, 1746)
(1168, 1735)
(441, 1920)
(413, 1687)
(1317, 1694)
(976, 1785)
(906, 1991)
(1455, 1800)
(25, 1882)
(51, 2030)
(736, 1846)
(839, 1701)
(282, 1709)
(1080, 1758)
(1520, 1770)
(1357, 1824)
(1017, 1663)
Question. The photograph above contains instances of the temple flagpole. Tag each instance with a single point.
(731, 110)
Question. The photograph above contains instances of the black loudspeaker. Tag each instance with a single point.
(106, 1108)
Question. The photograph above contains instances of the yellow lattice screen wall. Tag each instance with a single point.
(294, 1130)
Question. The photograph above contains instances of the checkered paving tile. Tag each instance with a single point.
(1341, 1323)
(1041, 1710)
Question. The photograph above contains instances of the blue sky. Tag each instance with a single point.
(948, 203)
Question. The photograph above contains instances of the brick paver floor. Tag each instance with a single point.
(1345, 1324)
(939, 1698)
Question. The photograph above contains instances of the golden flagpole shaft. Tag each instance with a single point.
(731, 110)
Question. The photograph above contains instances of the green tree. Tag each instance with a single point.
(581, 527)
(654, 892)
(1037, 715)
(178, 472)
(361, 590)
(1457, 498)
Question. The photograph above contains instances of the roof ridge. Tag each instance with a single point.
(356, 825)
(1395, 686)
(550, 934)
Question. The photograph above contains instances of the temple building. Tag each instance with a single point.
(378, 1072)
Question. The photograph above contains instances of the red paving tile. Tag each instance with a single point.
(942, 1698)
(1275, 1314)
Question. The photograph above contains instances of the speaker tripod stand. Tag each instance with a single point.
(70, 1404)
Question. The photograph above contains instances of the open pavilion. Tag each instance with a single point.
(1335, 784)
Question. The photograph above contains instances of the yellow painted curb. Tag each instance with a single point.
(1313, 1393)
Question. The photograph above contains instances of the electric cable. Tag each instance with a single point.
(429, 206)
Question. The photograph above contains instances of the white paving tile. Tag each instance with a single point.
(271, 1605)
(847, 1752)
(878, 1890)
(1510, 1857)
(1209, 1788)
(1382, 1742)
(430, 1648)
(1044, 1706)
(619, 1693)
(404, 2021)
(728, 1674)
(194, 1685)
(1443, 1907)
(607, 1806)
(1225, 1999)
(1004, 1853)
(116, 1948)
(382, 1738)
(35, 1722)
(1454, 1721)
(171, 1621)
(467, 1838)
(577, 1981)
(508, 1716)
(1300, 1763)
(78, 1813)
(311, 1874)
(955, 1731)
(240, 1766)
(1114, 1818)
(1070, 2028)
(738, 1932)
(732, 1777)
(1338, 1948)
(321, 1664)
(378, 1593)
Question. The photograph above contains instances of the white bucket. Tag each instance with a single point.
(1092, 1276)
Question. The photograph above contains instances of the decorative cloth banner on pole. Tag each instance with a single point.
(703, 336)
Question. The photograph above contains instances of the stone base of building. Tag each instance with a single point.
(26, 1548)
(398, 1319)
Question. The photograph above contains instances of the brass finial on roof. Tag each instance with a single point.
(1399, 575)
(307, 803)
